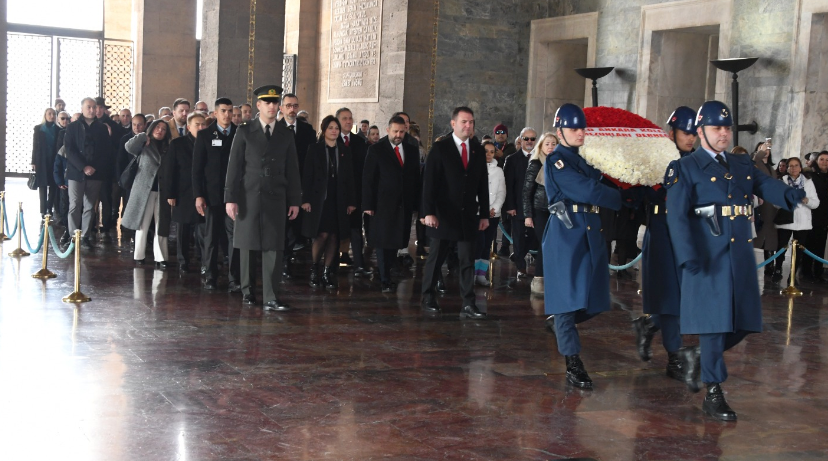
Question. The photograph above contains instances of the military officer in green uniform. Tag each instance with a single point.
(261, 193)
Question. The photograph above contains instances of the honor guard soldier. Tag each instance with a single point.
(575, 260)
(261, 193)
(660, 279)
(709, 203)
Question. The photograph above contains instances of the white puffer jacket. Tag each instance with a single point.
(802, 212)
(497, 187)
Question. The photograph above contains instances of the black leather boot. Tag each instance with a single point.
(644, 331)
(691, 367)
(715, 404)
(674, 366)
(550, 324)
(329, 278)
(576, 374)
(314, 275)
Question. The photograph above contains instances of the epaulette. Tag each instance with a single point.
(671, 176)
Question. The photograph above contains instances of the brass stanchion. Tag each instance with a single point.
(44, 273)
(76, 296)
(19, 252)
(3, 236)
(792, 290)
(492, 257)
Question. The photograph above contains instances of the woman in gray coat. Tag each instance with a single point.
(144, 200)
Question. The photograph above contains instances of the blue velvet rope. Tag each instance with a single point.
(771, 259)
(26, 237)
(55, 245)
(817, 258)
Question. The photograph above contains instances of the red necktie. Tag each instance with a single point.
(399, 157)
(465, 156)
(347, 140)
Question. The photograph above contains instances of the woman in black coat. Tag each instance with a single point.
(176, 186)
(44, 149)
(328, 196)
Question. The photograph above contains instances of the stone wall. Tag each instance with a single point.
(483, 62)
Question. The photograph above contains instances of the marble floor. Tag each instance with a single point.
(154, 368)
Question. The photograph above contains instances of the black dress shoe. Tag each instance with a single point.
(249, 299)
(576, 374)
(471, 312)
(86, 244)
(208, 284)
(64, 239)
(314, 276)
(674, 366)
(715, 404)
(550, 325)
(162, 265)
(387, 287)
(234, 287)
(140, 262)
(275, 306)
(345, 260)
(183, 268)
(430, 305)
(441, 286)
(644, 331)
(691, 367)
(362, 272)
(777, 275)
(329, 278)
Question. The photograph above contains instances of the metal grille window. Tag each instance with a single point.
(79, 70)
(289, 73)
(29, 88)
(42, 67)
(118, 74)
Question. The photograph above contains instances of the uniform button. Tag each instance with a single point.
(713, 179)
(745, 196)
(750, 240)
(732, 218)
(732, 240)
(589, 228)
(748, 177)
(729, 196)
(601, 230)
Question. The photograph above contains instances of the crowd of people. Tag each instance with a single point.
(238, 183)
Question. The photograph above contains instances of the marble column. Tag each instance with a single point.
(3, 59)
(302, 26)
(225, 44)
(165, 52)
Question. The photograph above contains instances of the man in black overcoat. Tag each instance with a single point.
(359, 149)
(304, 135)
(391, 189)
(515, 172)
(455, 204)
(262, 192)
(211, 154)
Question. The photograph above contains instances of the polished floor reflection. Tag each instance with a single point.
(154, 368)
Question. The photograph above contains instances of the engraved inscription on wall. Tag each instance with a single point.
(356, 34)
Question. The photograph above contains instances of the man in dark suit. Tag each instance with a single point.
(359, 149)
(391, 189)
(210, 156)
(262, 191)
(304, 135)
(413, 146)
(515, 172)
(455, 204)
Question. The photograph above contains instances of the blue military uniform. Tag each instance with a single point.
(660, 277)
(574, 252)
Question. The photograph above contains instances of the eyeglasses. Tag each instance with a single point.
(292, 106)
(527, 138)
(500, 132)
(64, 118)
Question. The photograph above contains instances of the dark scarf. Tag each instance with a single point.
(50, 131)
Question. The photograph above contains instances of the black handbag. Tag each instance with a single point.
(129, 173)
(32, 182)
(783, 216)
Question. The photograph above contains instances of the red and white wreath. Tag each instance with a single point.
(629, 149)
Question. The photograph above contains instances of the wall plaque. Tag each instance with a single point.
(356, 34)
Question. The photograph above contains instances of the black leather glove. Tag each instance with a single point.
(633, 196)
